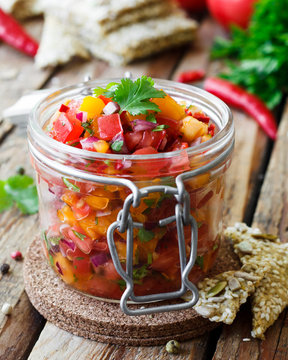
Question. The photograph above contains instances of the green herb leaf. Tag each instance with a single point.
(70, 186)
(149, 259)
(79, 258)
(80, 236)
(200, 261)
(96, 220)
(117, 145)
(86, 126)
(160, 127)
(149, 202)
(145, 235)
(139, 274)
(134, 96)
(19, 189)
(122, 284)
(151, 118)
(108, 91)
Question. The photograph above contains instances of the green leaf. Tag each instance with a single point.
(134, 96)
(145, 235)
(117, 145)
(139, 274)
(70, 186)
(161, 127)
(20, 189)
(80, 236)
(200, 261)
(149, 202)
(149, 259)
(151, 118)
(5, 199)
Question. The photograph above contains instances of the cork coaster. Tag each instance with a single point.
(105, 322)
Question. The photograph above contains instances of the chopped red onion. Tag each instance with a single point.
(82, 116)
(99, 259)
(87, 143)
(111, 108)
(140, 125)
(59, 268)
(69, 244)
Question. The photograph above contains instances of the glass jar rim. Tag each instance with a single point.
(222, 137)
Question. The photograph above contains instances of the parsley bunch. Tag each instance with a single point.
(133, 96)
(19, 189)
(260, 52)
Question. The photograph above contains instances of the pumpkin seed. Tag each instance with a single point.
(215, 290)
(269, 237)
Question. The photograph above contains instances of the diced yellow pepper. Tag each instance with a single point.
(193, 128)
(97, 203)
(66, 215)
(206, 137)
(170, 108)
(101, 146)
(93, 106)
(122, 250)
(66, 268)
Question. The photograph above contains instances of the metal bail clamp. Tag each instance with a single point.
(125, 222)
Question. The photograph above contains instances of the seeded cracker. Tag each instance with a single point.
(264, 252)
(57, 45)
(220, 297)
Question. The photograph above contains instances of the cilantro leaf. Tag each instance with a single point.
(145, 235)
(117, 145)
(134, 96)
(108, 91)
(161, 127)
(151, 118)
(80, 236)
(70, 186)
(139, 274)
(19, 189)
(200, 261)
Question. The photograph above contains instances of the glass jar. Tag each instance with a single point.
(77, 208)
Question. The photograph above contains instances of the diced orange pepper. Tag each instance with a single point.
(199, 181)
(66, 268)
(70, 198)
(101, 146)
(134, 117)
(170, 108)
(122, 248)
(89, 226)
(93, 106)
(97, 203)
(206, 137)
(104, 192)
(66, 215)
(193, 128)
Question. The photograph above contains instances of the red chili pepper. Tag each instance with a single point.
(13, 34)
(236, 96)
(191, 76)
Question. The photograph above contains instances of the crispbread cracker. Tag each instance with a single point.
(99, 18)
(57, 45)
(22, 9)
(271, 295)
(224, 306)
(143, 39)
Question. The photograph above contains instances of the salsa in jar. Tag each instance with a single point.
(142, 132)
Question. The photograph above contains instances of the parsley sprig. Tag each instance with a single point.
(260, 52)
(19, 189)
(133, 96)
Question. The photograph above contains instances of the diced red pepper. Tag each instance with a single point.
(200, 116)
(109, 126)
(64, 108)
(211, 129)
(65, 129)
(132, 139)
(104, 99)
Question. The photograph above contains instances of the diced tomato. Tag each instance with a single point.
(178, 145)
(167, 262)
(104, 99)
(81, 209)
(151, 138)
(201, 117)
(82, 241)
(146, 151)
(99, 286)
(109, 126)
(173, 126)
(132, 139)
(82, 265)
(63, 108)
(66, 130)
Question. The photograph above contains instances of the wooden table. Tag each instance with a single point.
(257, 192)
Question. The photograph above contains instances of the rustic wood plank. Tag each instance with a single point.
(271, 216)
(5, 128)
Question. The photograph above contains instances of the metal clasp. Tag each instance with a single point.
(125, 223)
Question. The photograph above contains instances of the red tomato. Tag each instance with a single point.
(65, 129)
(193, 5)
(82, 265)
(151, 138)
(109, 126)
(145, 151)
(132, 139)
(228, 12)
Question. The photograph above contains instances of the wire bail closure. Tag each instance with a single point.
(125, 222)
